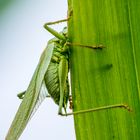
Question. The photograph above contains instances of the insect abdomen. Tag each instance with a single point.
(53, 86)
(53, 73)
(52, 81)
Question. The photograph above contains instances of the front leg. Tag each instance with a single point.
(62, 37)
(52, 31)
(55, 33)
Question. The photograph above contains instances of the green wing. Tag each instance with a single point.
(32, 97)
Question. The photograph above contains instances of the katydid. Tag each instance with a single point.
(51, 74)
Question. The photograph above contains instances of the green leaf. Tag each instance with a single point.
(107, 76)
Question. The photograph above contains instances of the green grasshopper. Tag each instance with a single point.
(51, 74)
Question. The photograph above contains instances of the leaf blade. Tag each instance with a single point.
(109, 76)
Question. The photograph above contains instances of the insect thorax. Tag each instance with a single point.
(52, 75)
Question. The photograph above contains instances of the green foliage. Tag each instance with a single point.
(107, 76)
(4, 4)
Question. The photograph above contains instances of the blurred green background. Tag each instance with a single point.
(22, 39)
